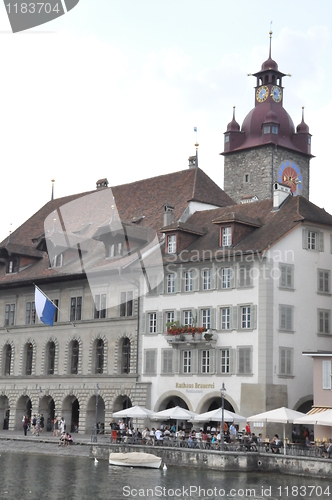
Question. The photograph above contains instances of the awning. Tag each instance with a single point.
(318, 409)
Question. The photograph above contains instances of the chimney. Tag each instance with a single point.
(168, 214)
(102, 183)
(280, 194)
(192, 161)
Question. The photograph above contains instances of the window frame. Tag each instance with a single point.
(288, 354)
(152, 318)
(206, 279)
(205, 361)
(324, 280)
(286, 314)
(188, 281)
(170, 283)
(186, 361)
(286, 280)
(150, 353)
(323, 321)
(244, 350)
(226, 236)
(171, 243)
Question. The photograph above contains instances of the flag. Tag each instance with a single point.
(195, 129)
(44, 308)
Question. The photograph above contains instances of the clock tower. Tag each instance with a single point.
(266, 148)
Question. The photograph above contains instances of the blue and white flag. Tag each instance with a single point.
(44, 307)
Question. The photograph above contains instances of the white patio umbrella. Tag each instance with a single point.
(324, 418)
(229, 416)
(281, 415)
(133, 412)
(176, 413)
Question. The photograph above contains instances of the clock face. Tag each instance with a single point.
(276, 93)
(289, 174)
(262, 93)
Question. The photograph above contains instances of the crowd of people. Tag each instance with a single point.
(37, 423)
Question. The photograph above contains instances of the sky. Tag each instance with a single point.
(114, 89)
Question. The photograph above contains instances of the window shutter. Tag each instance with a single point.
(196, 276)
(213, 278)
(143, 323)
(178, 316)
(213, 317)
(289, 318)
(177, 281)
(305, 238)
(253, 310)
(161, 285)
(283, 276)
(160, 326)
(321, 242)
(242, 274)
(231, 360)
(282, 362)
(326, 374)
(212, 356)
(233, 276)
(234, 315)
(249, 281)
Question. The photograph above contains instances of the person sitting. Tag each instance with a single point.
(328, 449)
(307, 443)
(68, 439)
(62, 439)
(275, 444)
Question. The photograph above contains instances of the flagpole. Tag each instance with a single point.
(58, 308)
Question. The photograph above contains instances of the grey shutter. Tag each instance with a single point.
(233, 276)
(161, 286)
(213, 318)
(249, 267)
(231, 360)
(233, 317)
(196, 273)
(305, 238)
(326, 374)
(283, 276)
(321, 242)
(253, 317)
(177, 316)
(195, 317)
(242, 273)
(212, 355)
(160, 326)
(213, 277)
(176, 360)
(289, 318)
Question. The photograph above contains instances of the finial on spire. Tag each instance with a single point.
(233, 112)
(270, 33)
(196, 145)
(303, 113)
(52, 196)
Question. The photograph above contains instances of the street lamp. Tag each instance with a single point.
(222, 393)
(96, 417)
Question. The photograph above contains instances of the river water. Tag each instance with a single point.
(40, 477)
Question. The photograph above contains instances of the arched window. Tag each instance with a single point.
(99, 356)
(8, 358)
(74, 357)
(50, 352)
(125, 361)
(28, 359)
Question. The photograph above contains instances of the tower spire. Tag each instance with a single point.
(270, 33)
(52, 196)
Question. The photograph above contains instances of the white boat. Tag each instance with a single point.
(135, 459)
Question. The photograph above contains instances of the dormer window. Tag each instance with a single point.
(226, 236)
(226, 138)
(274, 129)
(58, 261)
(267, 129)
(12, 266)
(171, 243)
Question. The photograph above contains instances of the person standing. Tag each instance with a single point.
(34, 422)
(41, 422)
(25, 424)
(62, 425)
(56, 426)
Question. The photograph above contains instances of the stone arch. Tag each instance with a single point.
(23, 406)
(94, 339)
(2, 357)
(304, 404)
(172, 394)
(118, 352)
(72, 410)
(119, 399)
(22, 357)
(91, 412)
(208, 398)
(44, 354)
(67, 367)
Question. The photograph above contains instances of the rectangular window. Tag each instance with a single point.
(170, 283)
(226, 236)
(286, 276)
(324, 319)
(76, 309)
(326, 367)
(205, 361)
(286, 318)
(9, 314)
(207, 279)
(225, 318)
(167, 361)
(274, 129)
(30, 317)
(245, 317)
(126, 305)
(226, 277)
(150, 362)
(206, 318)
(188, 281)
(153, 322)
(186, 361)
(244, 360)
(171, 243)
(285, 361)
(58, 260)
(246, 178)
(267, 129)
(323, 281)
(226, 138)
(312, 240)
(187, 318)
(100, 306)
(225, 361)
(170, 317)
(245, 275)
(12, 266)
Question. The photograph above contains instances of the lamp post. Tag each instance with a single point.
(96, 416)
(222, 393)
(38, 417)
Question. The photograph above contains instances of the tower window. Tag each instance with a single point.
(274, 129)
(267, 129)
(226, 138)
